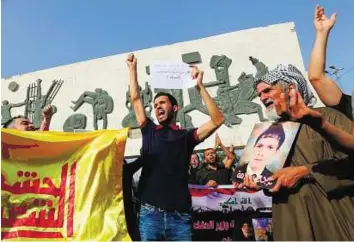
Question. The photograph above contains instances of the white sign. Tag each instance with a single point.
(171, 75)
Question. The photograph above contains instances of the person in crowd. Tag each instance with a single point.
(313, 194)
(194, 168)
(248, 232)
(245, 232)
(214, 173)
(163, 186)
(24, 124)
(131, 197)
(269, 231)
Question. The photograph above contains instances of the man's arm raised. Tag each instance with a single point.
(217, 118)
(134, 90)
(47, 114)
(230, 156)
(322, 83)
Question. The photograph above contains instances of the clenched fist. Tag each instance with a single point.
(47, 112)
(131, 62)
(197, 75)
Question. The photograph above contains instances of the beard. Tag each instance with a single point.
(270, 111)
(169, 118)
(272, 114)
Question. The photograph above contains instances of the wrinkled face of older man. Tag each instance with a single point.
(268, 95)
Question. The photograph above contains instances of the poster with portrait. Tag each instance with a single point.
(263, 229)
(266, 151)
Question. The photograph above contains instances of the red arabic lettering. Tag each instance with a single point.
(26, 186)
(44, 217)
(203, 225)
(40, 220)
(6, 147)
(70, 222)
(222, 226)
(31, 234)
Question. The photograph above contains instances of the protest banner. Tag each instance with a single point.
(62, 186)
(218, 214)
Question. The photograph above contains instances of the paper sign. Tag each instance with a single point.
(171, 75)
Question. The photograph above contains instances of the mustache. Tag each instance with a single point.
(268, 102)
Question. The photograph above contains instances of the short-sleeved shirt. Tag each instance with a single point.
(164, 179)
(345, 106)
(221, 175)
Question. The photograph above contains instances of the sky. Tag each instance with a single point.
(39, 34)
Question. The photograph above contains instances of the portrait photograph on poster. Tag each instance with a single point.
(266, 151)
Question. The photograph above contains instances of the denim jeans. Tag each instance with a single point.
(157, 224)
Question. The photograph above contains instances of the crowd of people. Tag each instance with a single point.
(211, 171)
(313, 196)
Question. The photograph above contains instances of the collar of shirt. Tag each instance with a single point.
(172, 126)
(210, 168)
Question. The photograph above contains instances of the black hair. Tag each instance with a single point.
(11, 120)
(275, 130)
(171, 98)
(207, 150)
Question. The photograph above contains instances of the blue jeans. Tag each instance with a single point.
(157, 224)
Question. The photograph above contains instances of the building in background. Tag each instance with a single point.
(94, 94)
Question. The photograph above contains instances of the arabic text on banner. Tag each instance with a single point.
(63, 186)
(218, 213)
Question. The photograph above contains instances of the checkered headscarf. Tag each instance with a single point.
(289, 74)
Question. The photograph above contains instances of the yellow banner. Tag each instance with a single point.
(62, 186)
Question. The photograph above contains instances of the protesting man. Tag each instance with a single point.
(313, 196)
(24, 124)
(163, 187)
(214, 172)
(194, 167)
